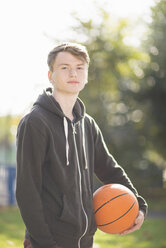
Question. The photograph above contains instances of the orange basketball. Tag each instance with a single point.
(115, 207)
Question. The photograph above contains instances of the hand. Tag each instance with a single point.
(27, 243)
(138, 223)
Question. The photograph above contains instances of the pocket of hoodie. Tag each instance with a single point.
(71, 213)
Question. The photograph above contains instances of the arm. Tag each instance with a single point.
(108, 170)
(31, 148)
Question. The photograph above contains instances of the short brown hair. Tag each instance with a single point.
(75, 49)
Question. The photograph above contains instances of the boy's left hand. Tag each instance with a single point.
(138, 223)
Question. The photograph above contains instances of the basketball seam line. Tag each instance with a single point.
(110, 200)
(119, 217)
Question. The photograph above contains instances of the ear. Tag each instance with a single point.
(50, 76)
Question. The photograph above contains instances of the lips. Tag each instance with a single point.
(73, 82)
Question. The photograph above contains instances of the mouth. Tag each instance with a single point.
(73, 82)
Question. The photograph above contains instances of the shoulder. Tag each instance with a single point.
(30, 118)
(32, 121)
(90, 122)
(89, 119)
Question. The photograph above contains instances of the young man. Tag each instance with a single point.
(59, 147)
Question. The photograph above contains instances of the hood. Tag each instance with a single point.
(48, 102)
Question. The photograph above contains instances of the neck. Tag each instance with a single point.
(66, 102)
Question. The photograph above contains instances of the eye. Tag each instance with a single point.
(64, 68)
(80, 68)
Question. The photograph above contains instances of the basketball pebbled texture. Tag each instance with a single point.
(115, 207)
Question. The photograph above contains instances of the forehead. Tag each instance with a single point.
(67, 58)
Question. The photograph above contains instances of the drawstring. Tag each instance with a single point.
(65, 123)
(84, 146)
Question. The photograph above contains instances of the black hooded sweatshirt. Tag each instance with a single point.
(56, 161)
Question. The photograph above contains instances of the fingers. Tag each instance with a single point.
(138, 223)
(29, 246)
(27, 243)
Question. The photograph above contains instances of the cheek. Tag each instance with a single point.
(86, 77)
(58, 77)
(62, 75)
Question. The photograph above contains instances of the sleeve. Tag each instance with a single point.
(109, 171)
(31, 149)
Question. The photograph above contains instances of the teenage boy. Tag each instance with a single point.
(59, 148)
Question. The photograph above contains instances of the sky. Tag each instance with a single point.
(28, 30)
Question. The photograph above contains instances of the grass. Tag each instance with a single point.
(11, 228)
(151, 235)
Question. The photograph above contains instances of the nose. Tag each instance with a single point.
(73, 72)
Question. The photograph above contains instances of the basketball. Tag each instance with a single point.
(115, 208)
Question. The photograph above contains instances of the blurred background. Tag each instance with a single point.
(126, 93)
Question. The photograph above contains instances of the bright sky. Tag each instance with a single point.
(27, 29)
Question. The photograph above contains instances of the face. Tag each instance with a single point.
(69, 74)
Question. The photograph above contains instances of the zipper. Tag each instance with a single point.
(80, 187)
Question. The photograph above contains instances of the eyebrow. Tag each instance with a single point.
(69, 64)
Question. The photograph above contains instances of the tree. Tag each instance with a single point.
(153, 87)
(110, 94)
(8, 127)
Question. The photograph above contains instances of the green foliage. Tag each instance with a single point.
(153, 87)
(8, 127)
(111, 95)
